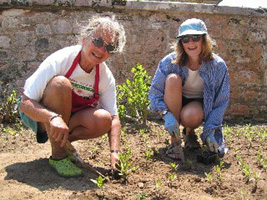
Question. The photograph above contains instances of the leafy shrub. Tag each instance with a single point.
(8, 108)
(133, 95)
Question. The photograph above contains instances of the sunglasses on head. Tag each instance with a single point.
(186, 39)
(99, 42)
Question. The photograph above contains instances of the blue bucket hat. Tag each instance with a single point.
(192, 27)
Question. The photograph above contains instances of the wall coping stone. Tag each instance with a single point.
(135, 5)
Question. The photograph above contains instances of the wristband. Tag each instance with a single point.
(55, 116)
(115, 151)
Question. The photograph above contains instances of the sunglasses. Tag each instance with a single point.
(99, 42)
(195, 38)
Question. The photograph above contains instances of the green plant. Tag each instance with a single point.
(99, 181)
(171, 177)
(218, 169)
(149, 153)
(142, 196)
(244, 168)
(8, 109)
(124, 164)
(133, 95)
(174, 167)
(228, 133)
(247, 172)
(158, 183)
(209, 177)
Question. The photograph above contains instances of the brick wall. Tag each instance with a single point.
(30, 30)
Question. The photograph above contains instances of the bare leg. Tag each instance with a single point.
(173, 94)
(173, 97)
(89, 123)
(192, 116)
(57, 98)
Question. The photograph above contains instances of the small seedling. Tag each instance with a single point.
(209, 176)
(99, 181)
(158, 183)
(142, 196)
(149, 153)
(124, 165)
(171, 177)
(174, 167)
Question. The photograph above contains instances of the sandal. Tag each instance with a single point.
(65, 167)
(191, 141)
(175, 151)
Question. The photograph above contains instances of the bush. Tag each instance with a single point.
(8, 108)
(133, 95)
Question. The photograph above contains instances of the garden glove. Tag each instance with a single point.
(212, 143)
(171, 124)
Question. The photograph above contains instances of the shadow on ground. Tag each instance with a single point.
(39, 174)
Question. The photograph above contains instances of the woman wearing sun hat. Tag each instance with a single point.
(191, 86)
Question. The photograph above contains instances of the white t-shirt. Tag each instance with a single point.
(59, 63)
(193, 86)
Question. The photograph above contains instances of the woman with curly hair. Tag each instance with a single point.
(72, 94)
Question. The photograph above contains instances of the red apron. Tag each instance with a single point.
(78, 102)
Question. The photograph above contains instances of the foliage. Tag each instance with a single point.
(133, 95)
(8, 108)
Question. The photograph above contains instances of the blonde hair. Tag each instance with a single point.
(110, 26)
(205, 55)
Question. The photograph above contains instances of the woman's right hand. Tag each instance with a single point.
(59, 130)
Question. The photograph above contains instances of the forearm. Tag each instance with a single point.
(35, 110)
(114, 133)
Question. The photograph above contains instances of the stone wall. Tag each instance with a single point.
(30, 30)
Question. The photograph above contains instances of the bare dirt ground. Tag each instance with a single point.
(26, 174)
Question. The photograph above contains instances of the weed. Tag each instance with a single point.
(133, 95)
(99, 181)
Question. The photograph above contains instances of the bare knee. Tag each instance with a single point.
(58, 87)
(192, 117)
(103, 120)
(59, 84)
(172, 81)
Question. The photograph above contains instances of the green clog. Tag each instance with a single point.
(65, 167)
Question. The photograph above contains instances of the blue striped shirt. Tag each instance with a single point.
(216, 91)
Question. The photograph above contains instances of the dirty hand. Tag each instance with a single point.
(114, 158)
(171, 124)
(59, 130)
(212, 143)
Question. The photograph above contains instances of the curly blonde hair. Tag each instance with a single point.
(110, 26)
(205, 55)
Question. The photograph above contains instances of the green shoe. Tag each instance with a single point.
(65, 167)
